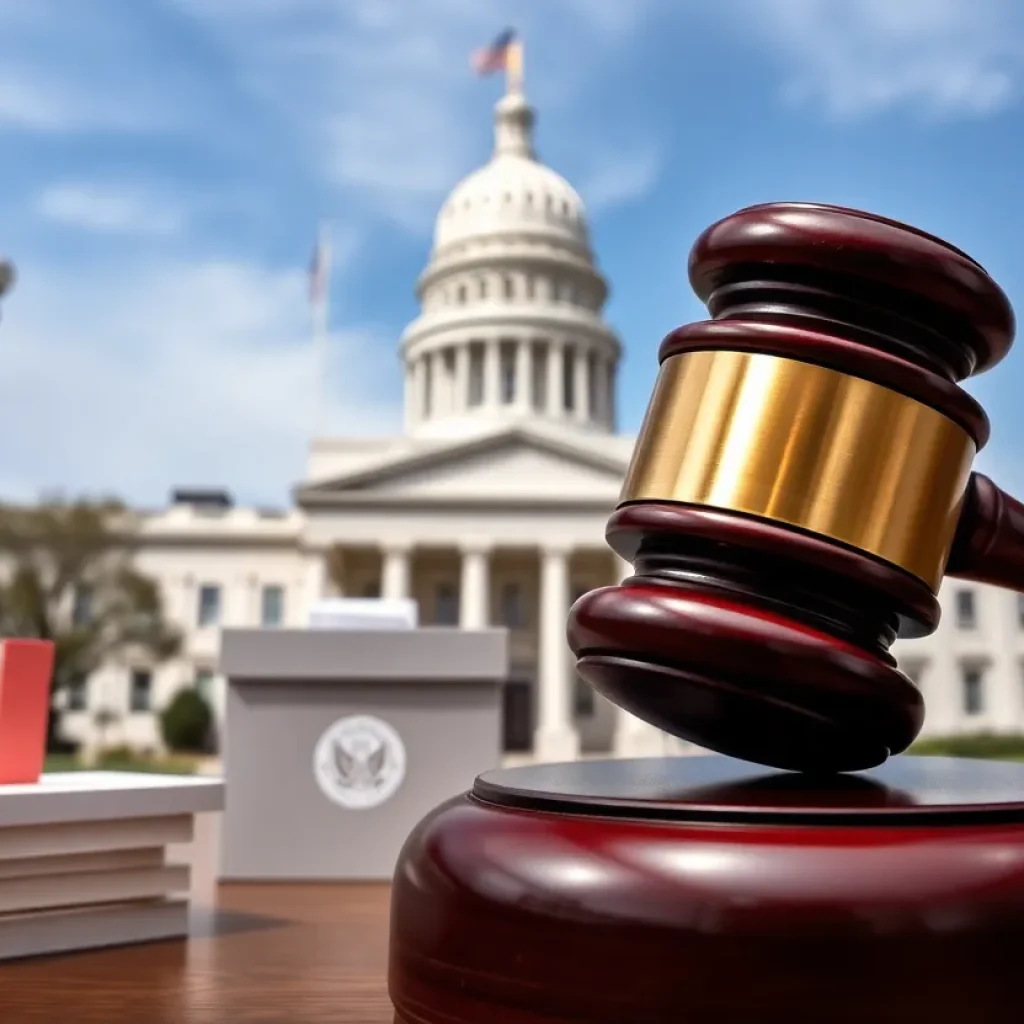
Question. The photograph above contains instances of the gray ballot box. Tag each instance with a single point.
(337, 742)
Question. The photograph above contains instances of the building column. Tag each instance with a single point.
(524, 376)
(492, 373)
(247, 602)
(609, 391)
(581, 384)
(396, 572)
(475, 587)
(555, 396)
(461, 397)
(315, 582)
(600, 371)
(409, 395)
(633, 736)
(334, 571)
(556, 738)
(1002, 675)
(188, 601)
(418, 405)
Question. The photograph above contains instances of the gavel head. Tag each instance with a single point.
(796, 489)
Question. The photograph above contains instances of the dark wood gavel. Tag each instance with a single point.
(800, 487)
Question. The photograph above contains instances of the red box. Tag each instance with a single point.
(25, 670)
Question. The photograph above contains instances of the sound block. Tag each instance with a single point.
(702, 889)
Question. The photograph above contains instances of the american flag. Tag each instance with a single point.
(319, 268)
(495, 57)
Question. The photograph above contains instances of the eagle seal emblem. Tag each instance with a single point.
(359, 762)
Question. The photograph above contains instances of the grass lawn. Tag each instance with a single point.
(170, 765)
(990, 746)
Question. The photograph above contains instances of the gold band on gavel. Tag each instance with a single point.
(799, 444)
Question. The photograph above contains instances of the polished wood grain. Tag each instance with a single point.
(269, 954)
(759, 551)
(702, 891)
(989, 544)
(730, 673)
(856, 275)
(745, 633)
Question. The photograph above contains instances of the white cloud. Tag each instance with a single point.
(381, 93)
(110, 209)
(859, 57)
(101, 67)
(141, 377)
(35, 100)
(621, 178)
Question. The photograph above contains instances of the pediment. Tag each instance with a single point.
(515, 465)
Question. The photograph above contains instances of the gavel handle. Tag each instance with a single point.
(989, 542)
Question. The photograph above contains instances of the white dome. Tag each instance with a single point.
(513, 193)
(510, 328)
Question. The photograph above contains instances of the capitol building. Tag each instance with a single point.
(490, 507)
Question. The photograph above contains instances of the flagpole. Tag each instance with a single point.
(514, 66)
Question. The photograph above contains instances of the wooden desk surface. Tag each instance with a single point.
(270, 954)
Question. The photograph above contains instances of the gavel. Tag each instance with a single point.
(800, 486)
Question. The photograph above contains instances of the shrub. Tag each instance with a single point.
(186, 722)
(119, 752)
(999, 746)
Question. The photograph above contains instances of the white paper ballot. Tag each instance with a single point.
(364, 613)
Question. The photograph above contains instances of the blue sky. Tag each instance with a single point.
(164, 164)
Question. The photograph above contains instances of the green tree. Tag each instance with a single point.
(67, 575)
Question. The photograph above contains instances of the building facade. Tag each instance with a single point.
(490, 507)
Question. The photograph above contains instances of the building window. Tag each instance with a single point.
(140, 696)
(510, 291)
(540, 377)
(203, 683)
(482, 287)
(973, 690)
(531, 287)
(78, 693)
(508, 374)
(209, 605)
(82, 609)
(460, 295)
(513, 614)
(372, 590)
(428, 385)
(568, 379)
(966, 613)
(583, 698)
(272, 605)
(446, 605)
(476, 376)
